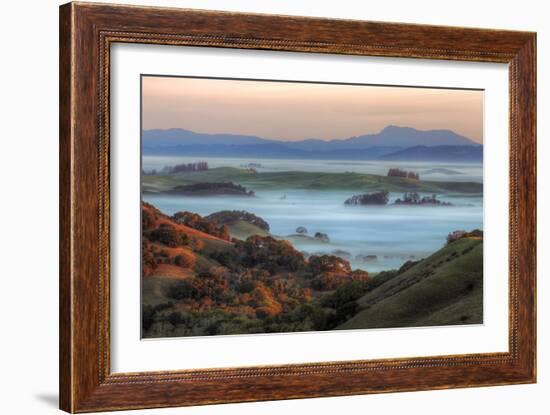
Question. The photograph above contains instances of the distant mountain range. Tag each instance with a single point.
(392, 143)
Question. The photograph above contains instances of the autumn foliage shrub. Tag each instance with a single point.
(269, 254)
(184, 260)
(168, 235)
(199, 223)
(329, 263)
(206, 285)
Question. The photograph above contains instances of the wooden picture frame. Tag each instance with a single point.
(86, 33)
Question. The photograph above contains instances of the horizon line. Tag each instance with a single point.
(313, 138)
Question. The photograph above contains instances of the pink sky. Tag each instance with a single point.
(295, 111)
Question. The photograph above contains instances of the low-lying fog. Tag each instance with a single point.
(389, 235)
(373, 238)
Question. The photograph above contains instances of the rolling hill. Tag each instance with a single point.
(305, 180)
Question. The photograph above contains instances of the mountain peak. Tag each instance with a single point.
(392, 128)
(394, 135)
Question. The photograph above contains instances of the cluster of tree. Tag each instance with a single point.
(163, 242)
(211, 285)
(189, 167)
(196, 221)
(331, 272)
(403, 173)
(228, 217)
(178, 168)
(323, 313)
(168, 235)
(378, 198)
(269, 254)
(253, 292)
(319, 264)
(185, 167)
(456, 235)
(414, 198)
(320, 272)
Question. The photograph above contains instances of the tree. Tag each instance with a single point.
(269, 254)
(322, 236)
(378, 198)
(329, 263)
(169, 236)
(199, 223)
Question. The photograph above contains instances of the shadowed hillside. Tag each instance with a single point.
(445, 288)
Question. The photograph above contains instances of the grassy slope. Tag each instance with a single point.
(445, 288)
(242, 230)
(306, 180)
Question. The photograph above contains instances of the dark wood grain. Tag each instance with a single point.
(65, 247)
(86, 33)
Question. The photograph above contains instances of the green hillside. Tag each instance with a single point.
(242, 230)
(305, 180)
(445, 288)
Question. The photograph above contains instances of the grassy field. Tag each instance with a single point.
(445, 288)
(305, 180)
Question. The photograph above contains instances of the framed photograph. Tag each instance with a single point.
(260, 207)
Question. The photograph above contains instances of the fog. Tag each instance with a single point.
(394, 234)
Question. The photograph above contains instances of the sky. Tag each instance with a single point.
(292, 111)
